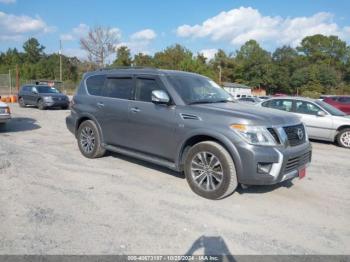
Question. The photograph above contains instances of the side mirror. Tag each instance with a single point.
(160, 97)
(321, 113)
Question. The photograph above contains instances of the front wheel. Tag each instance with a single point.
(343, 138)
(89, 140)
(21, 102)
(41, 104)
(210, 170)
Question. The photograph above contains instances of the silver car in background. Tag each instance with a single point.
(322, 121)
(5, 113)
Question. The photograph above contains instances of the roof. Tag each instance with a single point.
(292, 98)
(139, 70)
(235, 85)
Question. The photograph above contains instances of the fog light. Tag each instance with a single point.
(264, 168)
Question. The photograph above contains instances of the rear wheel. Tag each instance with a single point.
(343, 138)
(41, 104)
(210, 170)
(21, 102)
(89, 140)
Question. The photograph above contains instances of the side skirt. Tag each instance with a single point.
(142, 156)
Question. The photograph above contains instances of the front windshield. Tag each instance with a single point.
(47, 90)
(330, 109)
(195, 89)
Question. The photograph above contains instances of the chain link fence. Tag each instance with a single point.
(7, 86)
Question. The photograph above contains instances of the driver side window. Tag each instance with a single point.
(307, 108)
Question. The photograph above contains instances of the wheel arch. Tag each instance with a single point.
(198, 137)
(84, 118)
(342, 127)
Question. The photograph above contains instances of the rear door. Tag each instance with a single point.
(113, 107)
(32, 96)
(318, 127)
(152, 126)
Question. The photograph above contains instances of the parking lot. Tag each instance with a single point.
(55, 201)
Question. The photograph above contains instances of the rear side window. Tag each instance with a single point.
(95, 84)
(119, 87)
(345, 100)
(144, 88)
(285, 105)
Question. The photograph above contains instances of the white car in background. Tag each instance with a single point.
(322, 121)
(5, 113)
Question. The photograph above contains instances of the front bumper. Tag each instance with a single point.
(61, 103)
(4, 118)
(286, 163)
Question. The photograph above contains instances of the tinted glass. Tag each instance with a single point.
(119, 88)
(144, 88)
(46, 90)
(95, 84)
(345, 100)
(198, 89)
(280, 104)
(303, 107)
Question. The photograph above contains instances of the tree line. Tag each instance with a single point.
(319, 65)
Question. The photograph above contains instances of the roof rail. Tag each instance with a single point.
(127, 67)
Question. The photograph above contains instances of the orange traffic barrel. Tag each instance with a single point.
(13, 99)
(3, 99)
(8, 99)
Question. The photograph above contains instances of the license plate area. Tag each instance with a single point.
(302, 172)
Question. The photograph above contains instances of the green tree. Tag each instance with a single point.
(141, 59)
(254, 65)
(123, 57)
(34, 51)
(172, 57)
(329, 49)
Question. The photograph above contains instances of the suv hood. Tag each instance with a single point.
(250, 114)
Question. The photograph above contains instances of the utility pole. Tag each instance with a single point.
(17, 78)
(60, 60)
(10, 82)
(220, 73)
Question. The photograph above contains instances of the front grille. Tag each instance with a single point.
(296, 134)
(294, 163)
(274, 134)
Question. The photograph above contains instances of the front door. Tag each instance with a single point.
(152, 126)
(318, 127)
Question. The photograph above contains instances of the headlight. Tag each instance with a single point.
(255, 135)
(48, 98)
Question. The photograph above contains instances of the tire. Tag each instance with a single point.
(41, 105)
(199, 172)
(64, 107)
(90, 147)
(343, 138)
(21, 102)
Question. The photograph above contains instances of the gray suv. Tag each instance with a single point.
(186, 122)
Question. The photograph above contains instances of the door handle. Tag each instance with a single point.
(135, 110)
(100, 104)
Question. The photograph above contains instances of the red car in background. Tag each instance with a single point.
(340, 102)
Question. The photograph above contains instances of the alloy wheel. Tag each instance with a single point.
(207, 171)
(87, 140)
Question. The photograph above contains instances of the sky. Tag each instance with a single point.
(149, 26)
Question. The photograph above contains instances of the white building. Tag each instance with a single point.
(237, 90)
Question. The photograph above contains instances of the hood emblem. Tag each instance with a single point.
(300, 133)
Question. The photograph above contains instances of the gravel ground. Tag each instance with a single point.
(55, 201)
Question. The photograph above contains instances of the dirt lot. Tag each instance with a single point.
(55, 201)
